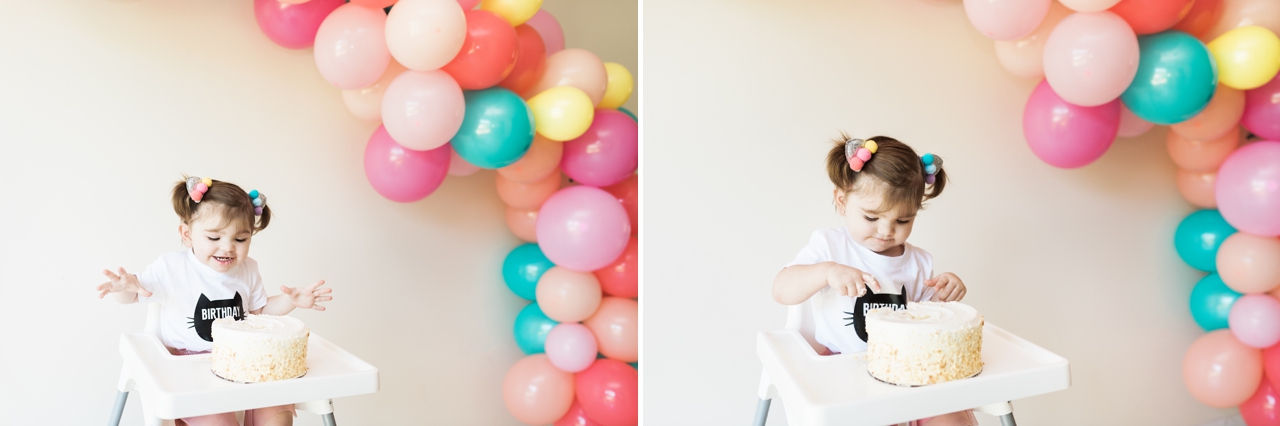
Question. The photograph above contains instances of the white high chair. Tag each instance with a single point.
(836, 389)
(173, 387)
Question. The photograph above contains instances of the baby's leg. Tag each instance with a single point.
(224, 419)
(959, 418)
(280, 415)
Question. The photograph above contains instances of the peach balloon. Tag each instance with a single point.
(542, 158)
(1243, 13)
(568, 296)
(425, 35)
(574, 67)
(527, 195)
(459, 166)
(1249, 264)
(536, 392)
(1089, 5)
(366, 103)
(1024, 57)
(1197, 156)
(1131, 125)
(523, 223)
(617, 328)
(1197, 188)
(1219, 117)
(1220, 371)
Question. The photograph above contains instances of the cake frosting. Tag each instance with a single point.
(259, 348)
(926, 343)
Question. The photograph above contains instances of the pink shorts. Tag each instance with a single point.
(251, 417)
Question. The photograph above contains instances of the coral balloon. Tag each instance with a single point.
(1242, 13)
(1220, 371)
(376, 4)
(562, 113)
(366, 103)
(531, 62)
(1197, 188)
(1260, 409)
(1247, 57)
(488, 53)
(1151, 16)
(1248, 189)
(1176, 78)
(292, 25)
(609, 392)
(403, 174)
(1006, 19)
(1201, 18)
(1219, 117)
(618, 88)
(575, 417)
(425, 35)
(1197, 156)
(606, 153)
(628, 193)
(583, 228)
(536, 392)
(1090, 58)
(523, 223)
(549, 28)
(571, 347)
(622, 277)
(1249, 264)
(515, 12)
(527, 196)
(1262, 110)
(568, 296)
(1271, 365)
(497, 129)
(1089, 5)
(617, 328)
(542, 158)
(351, 52)
(1255, 320)
(577, 68)
(459, 166)
(1131, 125)
(423, 109)
(1067, 135)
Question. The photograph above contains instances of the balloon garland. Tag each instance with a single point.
(1205, 68)
(458, 88)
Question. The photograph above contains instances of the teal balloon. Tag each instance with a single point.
(531, 329)
(635, 365)
(1198, 238)
(1175, 80)
(629, 114)
(497, 128)
(523, 267)
(1211, 302)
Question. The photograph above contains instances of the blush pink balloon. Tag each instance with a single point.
(1220, 371)
(1089, 5)
(549, 28)
(1248, 190)
(1249, 264)
(542, 158)
(576, 417)
(468, 4)
(576, 68)
(1006, 19)
(1219, 117)
(609, 392)
(1255, 320)
(459, 166)
(403, 174)
(1024, 57)
(1131, 125)
(536, 392)
(568, 296)
(1243, 13)
(1197, 188)
(583, 228)
(425, 35)
(1262, 110)
(527, 196)
(617, 328)
(1201, 156)
(523, 223)
(423, 109)
(1066, 135)
(607, 153)
(351, 51)
(366, 103)
(571, 347)
(1090, 58)
(292, 26)
(1262, 408)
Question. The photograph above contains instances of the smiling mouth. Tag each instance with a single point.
(223, 260)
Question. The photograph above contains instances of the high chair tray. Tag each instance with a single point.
(838, 390)
(183, 386)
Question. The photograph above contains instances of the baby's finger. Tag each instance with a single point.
(944, 293)
(110, 275)
(317, 307)
(870, 281)
(859, 289)
(961, 294)
(286, 290)
(317, 284)
(102, 293)
(324, 291)
(324, 298)
(144, 292)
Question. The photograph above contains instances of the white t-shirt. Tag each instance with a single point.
(832, 322)
(193, 295)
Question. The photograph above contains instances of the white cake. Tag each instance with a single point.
(259, 348)
(927, 343)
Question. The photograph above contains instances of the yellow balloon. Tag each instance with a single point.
(514, 11)
(1248, 57)
(619, 87)
(561, 113)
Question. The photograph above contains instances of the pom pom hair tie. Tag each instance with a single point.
(197, 186)
(858, 152)
(259, 201)
(931, 165)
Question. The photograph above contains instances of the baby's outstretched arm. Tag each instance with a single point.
(125, 286)
(947, 287)
(300, 297)
(796, 283)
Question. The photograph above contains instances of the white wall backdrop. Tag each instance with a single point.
(103, 104)
(742, 97)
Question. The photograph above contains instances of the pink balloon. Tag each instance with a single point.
(423, 109)
(293, 26)
(425, 35)
(1197, 188)
(549, 28)
(1262, 110)
(1249, 264)
(616, 325)
(527, 196)
(1089, 5)
(523, 223)
(1220, 371)
(1090, 58)
(1255, 320)
(583, 228)
(536, 392)
(576, 417)
(468, 4)
(1066, 135)
(402, 174)
(1248, 190)
(1219, 117)
(568, 296)
(1006, 19)
(1200, 156)
(609, 392)
(351, 51)
(1024, 57)
(1131, 125)
(459, 166)
(607, 153)
(571, 347)
(1261, 408)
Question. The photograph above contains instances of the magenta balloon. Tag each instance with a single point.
(1248, 189)
(606, 154)
(549, 28)
(1006, 19)
(1262, 110)
(1090, 58)
(402, 174)
(583, 228)
(292, 25)
(1066, 135)
(1255, 320)
(351, 46)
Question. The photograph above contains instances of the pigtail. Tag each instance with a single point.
(842, 176)
(183, 205)
(263, 220)
(939, 180)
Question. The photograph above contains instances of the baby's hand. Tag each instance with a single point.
(123, 281)
(306, 297)
(947, 287)
(849, 281)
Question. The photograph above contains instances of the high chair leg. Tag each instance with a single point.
(1003, 410)
(118, 410)
(762, 411)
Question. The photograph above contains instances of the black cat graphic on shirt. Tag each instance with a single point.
(209, 310)
(869, 301)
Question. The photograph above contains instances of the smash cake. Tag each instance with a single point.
(259, 348)
(924, 344)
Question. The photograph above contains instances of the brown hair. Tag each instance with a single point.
(234, 202)
(894, 164)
